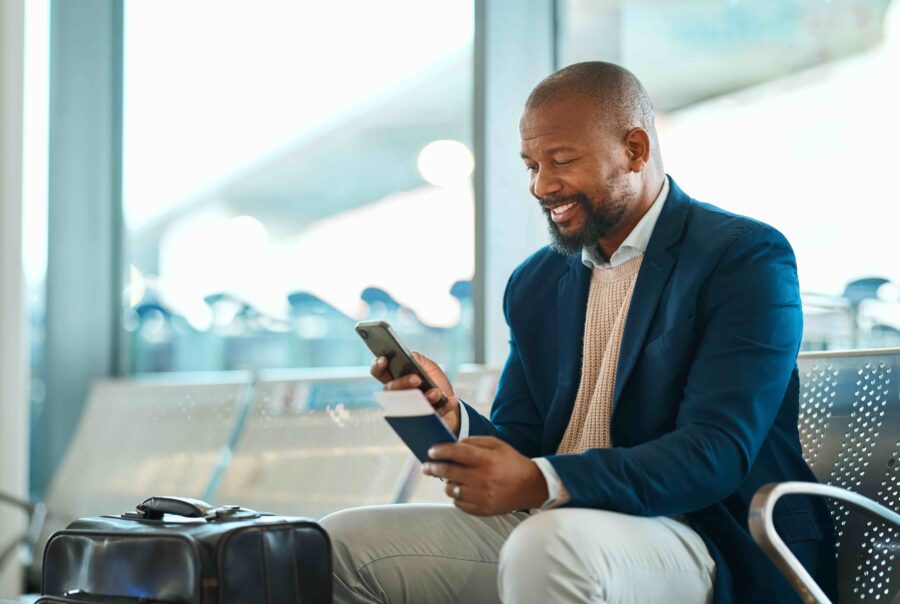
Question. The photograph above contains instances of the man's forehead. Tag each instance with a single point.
(561, 118)
(555, 136)
(528, 145)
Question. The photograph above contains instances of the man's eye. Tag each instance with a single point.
(564, 162)
(531, 168)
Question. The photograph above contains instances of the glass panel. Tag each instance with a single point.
(785, 111)
(291, 168)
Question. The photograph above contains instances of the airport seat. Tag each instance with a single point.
(165, 434)
(850, 432)
(316, 442)
(313, 443)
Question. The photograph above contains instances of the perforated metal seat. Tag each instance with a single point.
(850, 432)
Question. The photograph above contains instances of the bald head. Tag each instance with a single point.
(589, 144)
(620, 100)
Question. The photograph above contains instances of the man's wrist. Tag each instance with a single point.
(557, 494)
(536, 488)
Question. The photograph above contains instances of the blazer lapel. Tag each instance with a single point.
(571, 308)
(656, 268)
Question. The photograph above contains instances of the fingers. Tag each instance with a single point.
(451, 472)
(475, 509)
(439, 401)
(484, 442)
(434, 396)
(467, 498)
(435, 372)
(437, 397)
(407, 382)
(379, 370)
(461, 453)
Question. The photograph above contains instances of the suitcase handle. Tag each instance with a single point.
(154, 508)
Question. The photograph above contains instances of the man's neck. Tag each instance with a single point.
(609, 244)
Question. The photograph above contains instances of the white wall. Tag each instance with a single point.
(13, 350)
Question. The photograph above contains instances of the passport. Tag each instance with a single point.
(414, 420)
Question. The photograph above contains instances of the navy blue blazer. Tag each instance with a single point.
(706, 396)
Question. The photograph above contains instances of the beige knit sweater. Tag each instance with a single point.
(607, 308)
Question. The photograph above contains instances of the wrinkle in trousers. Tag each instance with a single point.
(436, 554)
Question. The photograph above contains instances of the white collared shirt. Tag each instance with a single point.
(635, 244)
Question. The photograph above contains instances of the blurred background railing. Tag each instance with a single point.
(866, 315)
(314, 334)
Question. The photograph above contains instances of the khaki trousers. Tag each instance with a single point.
(436, 554)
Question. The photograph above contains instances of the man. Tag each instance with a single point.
(650, 389)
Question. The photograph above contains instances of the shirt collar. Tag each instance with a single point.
(637, 240)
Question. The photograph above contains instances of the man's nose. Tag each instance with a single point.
(545, 184)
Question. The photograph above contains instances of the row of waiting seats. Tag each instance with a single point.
(292, 442)
(309, 443)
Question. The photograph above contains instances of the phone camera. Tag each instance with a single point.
(364, 334)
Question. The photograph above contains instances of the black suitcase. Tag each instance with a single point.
(76, 599)
(175, 550)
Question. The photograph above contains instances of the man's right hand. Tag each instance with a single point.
(449, 411)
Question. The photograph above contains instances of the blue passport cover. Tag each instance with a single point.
(420, 432)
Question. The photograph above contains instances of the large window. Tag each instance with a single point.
(291, 168)
(785, 111)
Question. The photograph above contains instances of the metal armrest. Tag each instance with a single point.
(763, 529)
(16, 502)
(37, 516)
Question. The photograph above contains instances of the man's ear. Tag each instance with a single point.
(637, 144)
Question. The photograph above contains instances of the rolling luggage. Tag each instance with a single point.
(175, 550)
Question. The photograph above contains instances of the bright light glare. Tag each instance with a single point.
(888, 292)
(445, 162)
(246, 233)
(808, 185)
(234, 247)
(137, 286)
(253, 98)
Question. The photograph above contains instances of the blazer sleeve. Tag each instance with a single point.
(751, 325)
(514, 416)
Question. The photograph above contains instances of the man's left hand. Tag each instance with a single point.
(488, 476)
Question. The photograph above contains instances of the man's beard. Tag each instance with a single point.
(599, 221)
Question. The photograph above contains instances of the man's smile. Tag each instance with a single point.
(562, 213)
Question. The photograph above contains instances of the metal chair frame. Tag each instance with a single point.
(25, 543)
(851, 462)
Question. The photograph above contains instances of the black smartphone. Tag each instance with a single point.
(383, 342)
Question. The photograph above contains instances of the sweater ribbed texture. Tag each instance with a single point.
(609, 299)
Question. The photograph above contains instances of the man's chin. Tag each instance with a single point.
(569, 245)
